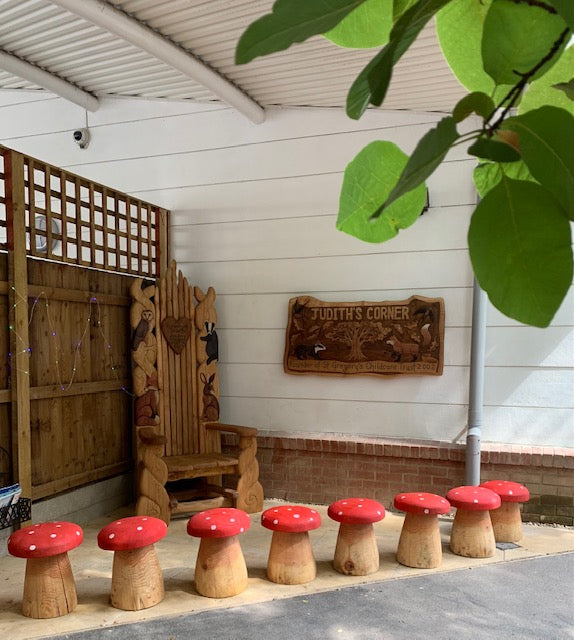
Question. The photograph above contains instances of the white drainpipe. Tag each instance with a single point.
(476, 385)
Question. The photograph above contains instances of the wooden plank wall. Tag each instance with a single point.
(254, 210)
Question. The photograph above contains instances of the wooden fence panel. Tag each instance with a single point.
(79, 373)
(77, 352)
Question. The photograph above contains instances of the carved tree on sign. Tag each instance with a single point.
(356, 334)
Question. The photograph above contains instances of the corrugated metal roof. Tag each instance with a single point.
(314, 73)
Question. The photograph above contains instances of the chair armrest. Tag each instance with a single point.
(231, 428)
(149, 437)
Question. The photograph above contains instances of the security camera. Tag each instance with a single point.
(82, 137)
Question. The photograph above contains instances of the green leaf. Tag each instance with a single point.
(541, 92)
(547, 147)
(516, 37)
(519, 242)
(475, 102)
(368, 180)
(366, 26)
(565, 9)
(567, 87)
(428, 154)
(488, 174)
(493, 150)
(372, 83)
(459, 29)
(290, 21)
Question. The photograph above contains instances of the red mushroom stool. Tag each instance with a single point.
(137, 580)
(506, 520)
(472, 535)
(291, 559)
(220, 570)
(49, 587)
(420, 545)
(356, 551)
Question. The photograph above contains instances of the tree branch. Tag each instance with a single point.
(537, 3)
(514, 93)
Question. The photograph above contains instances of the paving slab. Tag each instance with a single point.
(177, 553)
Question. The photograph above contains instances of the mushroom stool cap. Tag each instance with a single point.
(291, 519)
(473, 498)
(356, 511)
(45, 539)
(423, 503)
(218, 523)
(130, 533)
(507, 490)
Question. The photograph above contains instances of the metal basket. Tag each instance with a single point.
(15, 513)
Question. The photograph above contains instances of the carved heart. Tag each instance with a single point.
(176, 332)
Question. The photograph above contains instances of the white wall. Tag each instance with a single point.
(254, 209)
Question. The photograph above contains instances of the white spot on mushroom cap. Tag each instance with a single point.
(339, 513)
(275, 521)
(213, 527)
(426, 511)
(475, 500)
(510, 492)
(32, 547)
(53, 535)
(231, 519)
(241, 530)
(140, 528)
(31, 532)
(296, 515)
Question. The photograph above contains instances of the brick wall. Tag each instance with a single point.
(320, 469)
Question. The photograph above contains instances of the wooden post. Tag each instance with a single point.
(162, 244)
(18, 320)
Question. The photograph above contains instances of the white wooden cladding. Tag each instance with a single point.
(253, 214)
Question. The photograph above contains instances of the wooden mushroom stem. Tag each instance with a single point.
(472, 535)
(137, 580)
(356, 552)
(507, 522)
(291, 559)
(420, 543)
(49, 587)
(220, 570)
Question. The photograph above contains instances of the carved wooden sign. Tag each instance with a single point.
(376, 338)
(176, 332)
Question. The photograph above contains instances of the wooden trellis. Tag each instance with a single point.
(51, 223)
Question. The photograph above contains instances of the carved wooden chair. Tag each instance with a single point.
(176, 411)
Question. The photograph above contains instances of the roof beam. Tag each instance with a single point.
(109, 17)
(48, 81)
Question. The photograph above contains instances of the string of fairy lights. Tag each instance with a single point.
(93, 319)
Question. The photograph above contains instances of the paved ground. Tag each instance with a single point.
(524, 599)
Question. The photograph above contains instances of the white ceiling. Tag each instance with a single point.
(315, 73)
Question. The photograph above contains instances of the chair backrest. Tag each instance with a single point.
(175, 354)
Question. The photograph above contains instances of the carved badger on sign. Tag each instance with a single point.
(305, 351)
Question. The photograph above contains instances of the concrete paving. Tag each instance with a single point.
(518, 593)
(518, 600)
